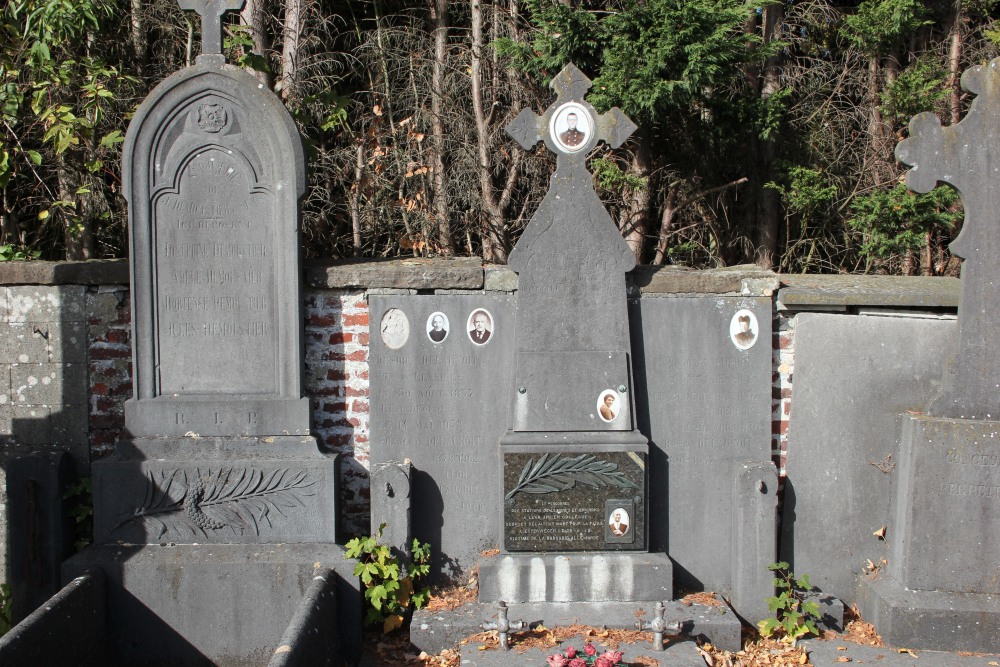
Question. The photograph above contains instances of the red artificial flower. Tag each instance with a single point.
(557, 661)
(603, 662)
(590, 649)
(614, 657)
(577, 662)
(570, 652)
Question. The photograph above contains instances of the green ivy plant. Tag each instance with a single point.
(794, 615)
(390, 588)
(78, 500)
(6, 614)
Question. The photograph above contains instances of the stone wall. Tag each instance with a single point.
(66, 356)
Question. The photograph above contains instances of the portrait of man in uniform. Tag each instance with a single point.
(572, 136)
(571, 126)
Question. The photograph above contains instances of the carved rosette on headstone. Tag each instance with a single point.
(219, 449)
(574, 467)
(937, 587)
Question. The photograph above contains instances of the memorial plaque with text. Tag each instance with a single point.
(574, 501)
(215, 281)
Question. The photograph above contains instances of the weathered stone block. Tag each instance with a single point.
(844, 454)
(42, 303)
(49, 384)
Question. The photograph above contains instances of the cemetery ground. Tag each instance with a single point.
(859, 644)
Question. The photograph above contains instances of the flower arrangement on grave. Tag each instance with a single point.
(589, 658)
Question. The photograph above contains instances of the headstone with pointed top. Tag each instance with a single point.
(573, 463)
(218, 469)
(936, 587)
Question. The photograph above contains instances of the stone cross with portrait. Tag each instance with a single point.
(572, 379)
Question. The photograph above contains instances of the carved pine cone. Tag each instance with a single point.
(193, 496)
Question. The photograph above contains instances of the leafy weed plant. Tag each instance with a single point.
(390, 587)
(795, 616)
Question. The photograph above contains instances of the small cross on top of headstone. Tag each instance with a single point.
(570, 127)
(211, 12)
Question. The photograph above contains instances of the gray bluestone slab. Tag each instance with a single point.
(677, 654)
(704, 400)
(802, 292)
(745, 280)
(215, 490)
(843, 451)
(443, 406)
(932, 620)
(39, 530)
(755, 539)
(605, 577)
(213, 170)
(309, 640)
(218, 604)
(87, 272)
(412, 273)
(436, 631)
(963, 155)
(832, 653)
(69, 630)
(944, 528)
(391, 504)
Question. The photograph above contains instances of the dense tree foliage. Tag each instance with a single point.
(767, 129)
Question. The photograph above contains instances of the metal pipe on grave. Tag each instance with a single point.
(660, 627)
(503, 626)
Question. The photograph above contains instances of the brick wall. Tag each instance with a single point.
(336, 382)
(783, 359)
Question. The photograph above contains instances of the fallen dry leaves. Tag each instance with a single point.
(855, 631)
(456, 595)
(760, 653)
(707, 598)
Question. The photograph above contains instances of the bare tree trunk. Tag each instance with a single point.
(769, 205)
(494, 239)
(635, 223)
(78, 230)
(954, 62)
(439, 17)
(138, 37)
(294, 14)
(254, 15)
(666, 222)
(359, 170)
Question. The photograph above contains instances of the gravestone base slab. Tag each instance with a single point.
(235, 490)
(930, 620)
(434, 631)
(676, 654)
(214, 604)
(606, 577)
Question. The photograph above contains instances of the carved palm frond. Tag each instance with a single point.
(236, 498)
(561, 473)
